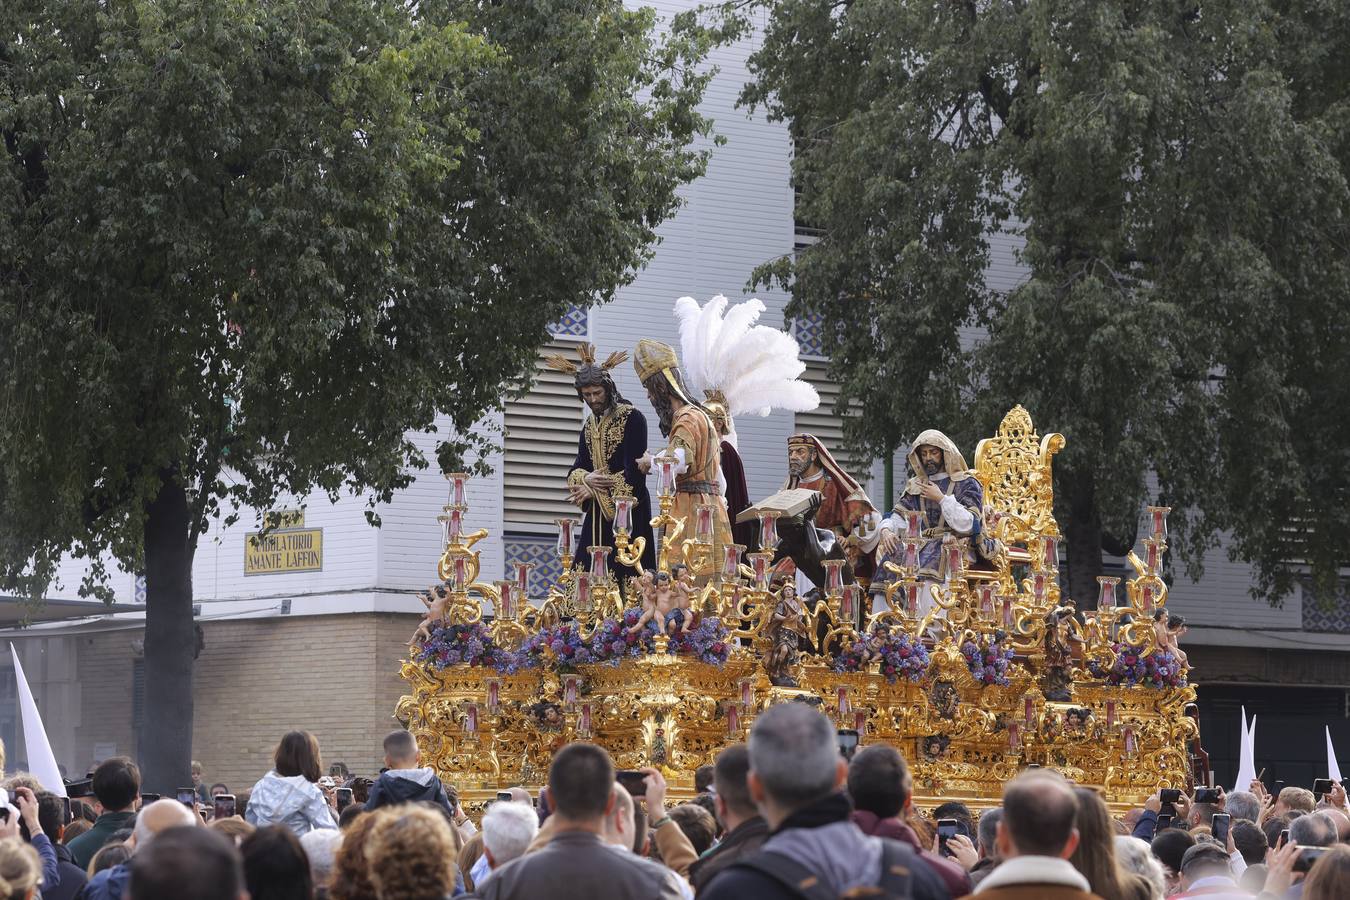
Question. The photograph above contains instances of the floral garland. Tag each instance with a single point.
(897, 655)
(1132, 666)
(450, 645)
(988, 660)
(707, 643)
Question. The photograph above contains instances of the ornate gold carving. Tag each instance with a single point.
(963, 739)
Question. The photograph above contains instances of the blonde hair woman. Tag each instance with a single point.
(20, 870)
(411, 853)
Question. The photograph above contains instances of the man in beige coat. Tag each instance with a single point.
(1036, 837)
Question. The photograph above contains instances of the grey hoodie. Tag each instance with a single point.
(292, 801)
(839, 854)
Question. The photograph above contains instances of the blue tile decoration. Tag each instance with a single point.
(1334, 619)
(537, 549)
(575, 322)
(810, 334)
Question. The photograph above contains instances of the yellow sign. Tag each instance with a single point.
(283, 552)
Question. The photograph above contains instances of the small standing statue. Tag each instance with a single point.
(1167, 631)
(785, 632)
(1059, 638)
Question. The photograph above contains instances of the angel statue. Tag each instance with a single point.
(740, 368)
(612, 440)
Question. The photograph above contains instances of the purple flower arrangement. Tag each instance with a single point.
(560, 647)
(707, 642)
(452, 645)
(612, 643)
(988, 660)
(1132, 666)
(897, 656)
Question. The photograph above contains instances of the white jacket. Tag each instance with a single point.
(293, 801)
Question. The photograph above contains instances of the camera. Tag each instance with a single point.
(1322, 787)
(1206, 795)
(631, 780)
(847, 739)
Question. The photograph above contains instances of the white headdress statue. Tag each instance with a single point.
(753, 367)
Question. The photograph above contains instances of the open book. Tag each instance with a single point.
(790, 503)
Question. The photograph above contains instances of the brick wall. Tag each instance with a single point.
(336, 676)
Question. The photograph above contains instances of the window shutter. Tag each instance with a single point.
(541, 442)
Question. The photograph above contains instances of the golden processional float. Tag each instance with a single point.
(1012, 679)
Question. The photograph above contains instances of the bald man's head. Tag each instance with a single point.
(520, 795)
(619, 821)
(161, 816)
(1039, 814)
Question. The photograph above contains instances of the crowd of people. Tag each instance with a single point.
(783, 816)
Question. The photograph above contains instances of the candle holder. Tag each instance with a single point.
(1106, 592)
(1040, 586)
(703, 523)
(494, 695)
(459, 495)
(1110, 714)
(459, 578)
(910, 557)
(747, 686)
(1006, 602)
(471, 718)
(860, 722)
(1014, 737)
(913, 523)
(910, 586)
(582, 599)
(731, 561)
(584, 719)
(768, 530)
(1158, 519)
(986, 590)
(599, 564)
(665, 475)
(566, 540)
(1146, 598)
(842, 702)
(1029, 712)
(1153, 548)
(834, 575)
(523, 581)
(848, 603)
(733, 720)
(569, 692)
(1050, 553)
(623, 515)
(506, 599)
(760, 562)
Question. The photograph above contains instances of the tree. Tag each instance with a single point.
(246, 247)
(1178, 177)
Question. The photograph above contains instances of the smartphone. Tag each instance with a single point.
(1206, 795)
(344, 799)
(847, 739)
(504, 796)
(1169, 795)
(1219, 827)
(1279, 786)
(1284, 838)
(224, 806)
(187, 796)
(1164, 821)
(631, 780)
(1322, 787)
(1306, 857)
(65, 811)
(946, 829)
(147, 799)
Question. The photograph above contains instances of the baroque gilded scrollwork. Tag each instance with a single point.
(1009, 672)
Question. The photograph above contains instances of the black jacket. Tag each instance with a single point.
(821, 838)
(70, 877)
(409, 786)
(744, 839)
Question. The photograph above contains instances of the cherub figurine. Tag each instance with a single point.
(664, 598)
(1167, 631)
(784, 631)
(437, 602)
(682, 582)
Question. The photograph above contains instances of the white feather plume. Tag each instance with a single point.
(756, 367)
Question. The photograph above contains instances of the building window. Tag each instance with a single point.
(542, 429)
